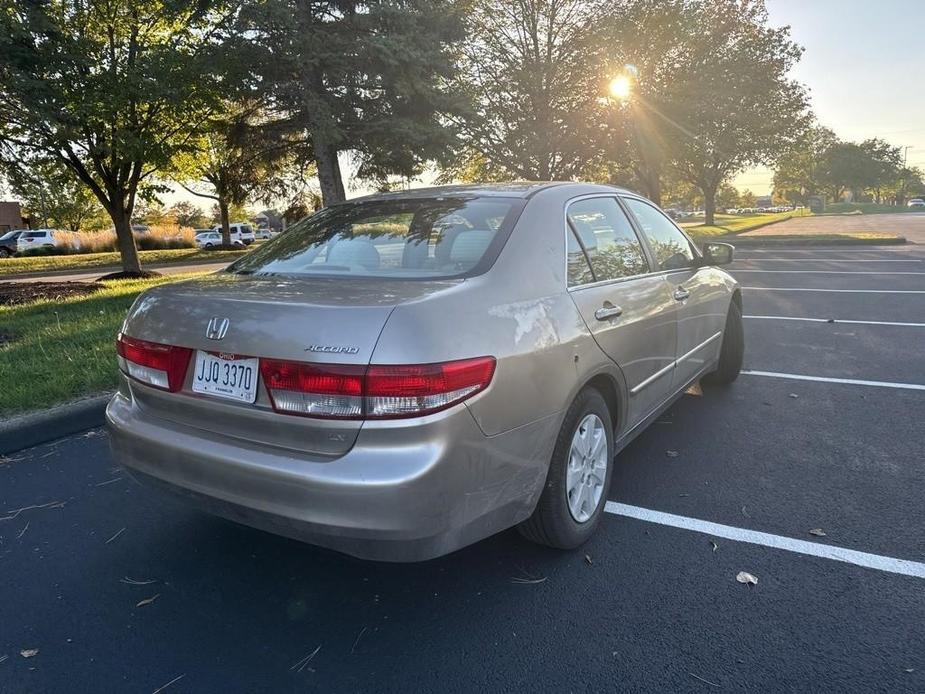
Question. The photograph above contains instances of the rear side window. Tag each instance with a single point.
(34, 235)
(607, 238)
(413, 238)
(672, 249)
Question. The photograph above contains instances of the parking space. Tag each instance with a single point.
(645, 605)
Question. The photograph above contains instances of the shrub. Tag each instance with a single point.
(159, 237)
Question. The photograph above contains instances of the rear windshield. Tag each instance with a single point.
(414, 239)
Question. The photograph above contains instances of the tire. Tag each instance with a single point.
(553, 522)
(733, 349)
(4, 253)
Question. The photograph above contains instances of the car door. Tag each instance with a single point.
(628, 309)
(700, 293)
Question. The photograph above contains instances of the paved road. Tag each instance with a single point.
(91, 275)
(908, 224)
(652, 607)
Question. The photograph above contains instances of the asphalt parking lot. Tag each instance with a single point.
(119, 589)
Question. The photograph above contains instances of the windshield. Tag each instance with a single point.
(417, 238)
(8, 236)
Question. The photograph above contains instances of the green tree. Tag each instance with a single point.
(885, 162)
(243, 155)
(111, 89)
(844, 167)
(188, 214)
(799, 172)
(730, 103)
(365, 78)
(532, 72)
(54, 197)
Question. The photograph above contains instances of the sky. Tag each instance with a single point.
(864, 65)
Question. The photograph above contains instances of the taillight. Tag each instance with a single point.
(406, 391)
(314, 390)
(374, 392)
(161, 366)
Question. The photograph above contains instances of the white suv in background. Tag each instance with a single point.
(45, 238)
(916, 202)
(240, 231)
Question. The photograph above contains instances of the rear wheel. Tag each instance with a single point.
(4, 253)
(733, 349)
(573, 499)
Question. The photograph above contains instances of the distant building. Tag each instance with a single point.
(10, 217)
(269, 219)
(764, 201)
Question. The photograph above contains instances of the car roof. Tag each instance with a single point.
(515, 189)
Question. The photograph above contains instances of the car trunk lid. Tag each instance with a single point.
(318, 320)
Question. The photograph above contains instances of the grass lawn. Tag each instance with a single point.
(867, 208)
(55, 351)
(88, 261)
(862, 237)
(727, 224)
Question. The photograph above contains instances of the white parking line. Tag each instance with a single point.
(831, 272)
(840, 320)
(838, 291)
(879, 562)
(846, 381)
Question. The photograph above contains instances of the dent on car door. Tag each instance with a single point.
(628, 310)
(700, 293)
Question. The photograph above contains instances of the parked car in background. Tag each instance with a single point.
(213, 239)
(46, 238)
(399, 376)
(8, 242)
(241, 231)
(916, 202)
(265, 233)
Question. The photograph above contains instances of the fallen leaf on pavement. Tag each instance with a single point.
(671, 454)
(747, 578)
(715, 546)
(148, 601)
(818, 532)
(695, 389)
(588, 559)
(29, 652)
(794, 395)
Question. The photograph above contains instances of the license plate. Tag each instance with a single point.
(226, 376)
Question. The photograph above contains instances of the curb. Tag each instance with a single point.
(33, 429)
(749, 241)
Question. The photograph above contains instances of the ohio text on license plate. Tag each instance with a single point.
(226, 376)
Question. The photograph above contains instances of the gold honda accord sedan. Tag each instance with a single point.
(401, 375)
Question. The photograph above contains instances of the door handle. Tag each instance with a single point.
(680, 294)
(608, 311)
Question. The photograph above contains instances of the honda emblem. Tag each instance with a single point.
(217, 328)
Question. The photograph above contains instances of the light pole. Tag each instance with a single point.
(902, 195)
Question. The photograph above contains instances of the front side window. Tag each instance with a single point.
(608, 239)
(672, 249)
(413, 238)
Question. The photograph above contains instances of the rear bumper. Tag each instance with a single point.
(408, 490)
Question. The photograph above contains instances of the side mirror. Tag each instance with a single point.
(717, 253)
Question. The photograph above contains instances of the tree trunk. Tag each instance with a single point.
(225, 222)
(709, 205)
(329, 178)
(653, 185)
(125, 239)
